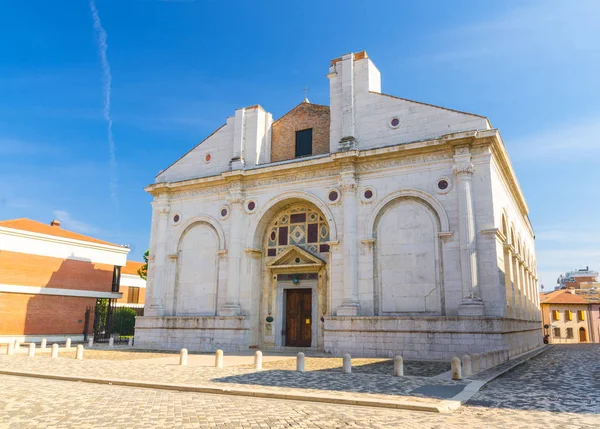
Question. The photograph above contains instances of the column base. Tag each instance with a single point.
(471, 307)
(230, 310)
(154, 310)
(350, 308)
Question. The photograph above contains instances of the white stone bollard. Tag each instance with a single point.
(466, 366)
(111, 342)
(43, 344)
(258, 360)
(347, 360)
(54, 351)
(219, 359)
(183, 354)
(90, 342)
(300, 362)
(31, 352)
(79, 352)
(398, 366)
(68, 343)
(475, 363)
(10, 348)
(456, 369)
(130, 342)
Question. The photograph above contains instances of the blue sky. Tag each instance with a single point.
(178, 68)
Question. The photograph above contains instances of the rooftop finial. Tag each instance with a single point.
(305, 90)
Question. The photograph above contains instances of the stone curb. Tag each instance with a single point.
(441, 407)
(476, 385)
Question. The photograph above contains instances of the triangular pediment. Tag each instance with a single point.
(294, 256)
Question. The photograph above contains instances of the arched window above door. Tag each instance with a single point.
(298, 225)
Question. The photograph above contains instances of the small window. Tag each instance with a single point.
(581, 315)
(304, 142)
(569, 332)
(568, 315)
(133, 295)
(556, 332)
(555, 315)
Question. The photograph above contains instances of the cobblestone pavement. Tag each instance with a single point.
(565, 378)
(37, 403)
(349, 386)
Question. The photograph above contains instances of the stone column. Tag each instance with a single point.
(509, 280)
(518, 285)
(157, 260)
(471, 304)
(350, 305)
(524, 293)
(531, 300)
(234, 253)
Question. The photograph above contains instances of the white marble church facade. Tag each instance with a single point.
(375, 226)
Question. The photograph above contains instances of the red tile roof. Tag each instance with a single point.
(132, 267)
(564, 296)
(24, 224)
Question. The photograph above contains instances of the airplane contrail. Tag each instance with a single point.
(102, 47)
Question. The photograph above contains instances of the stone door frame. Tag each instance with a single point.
(285, 263)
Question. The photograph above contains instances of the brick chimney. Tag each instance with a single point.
(55, 223)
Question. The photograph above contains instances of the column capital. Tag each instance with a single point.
(236, 194)
(347, 181)
(463, 169)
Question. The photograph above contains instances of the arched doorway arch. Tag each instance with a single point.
(289, 259)
(582, 335)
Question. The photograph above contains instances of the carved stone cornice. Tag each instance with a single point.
(236, 194)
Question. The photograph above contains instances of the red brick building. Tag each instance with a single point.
(49, 276)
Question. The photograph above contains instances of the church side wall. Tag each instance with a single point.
(439, 338)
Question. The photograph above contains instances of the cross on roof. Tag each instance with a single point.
(305, 90)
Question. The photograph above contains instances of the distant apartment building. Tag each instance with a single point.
(50, 276)
(578, 279)
(572, 315)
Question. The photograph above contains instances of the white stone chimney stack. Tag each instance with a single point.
(351, 78)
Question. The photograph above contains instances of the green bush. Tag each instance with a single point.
(123, 321)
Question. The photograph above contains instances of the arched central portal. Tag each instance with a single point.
(295, 254)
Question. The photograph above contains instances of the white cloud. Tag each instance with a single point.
(68, 222)
(102, 48)
(542, 29)
(566, 142)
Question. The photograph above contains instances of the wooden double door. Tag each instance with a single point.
(298, 317)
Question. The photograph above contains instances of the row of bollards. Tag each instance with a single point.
(15, 346)
(475, 363)
(300, 358)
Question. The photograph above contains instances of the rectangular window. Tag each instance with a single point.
(133, 295)
(568, 315)
(304, 143)
(555, 314)
(556, 332)
(569, 332)
(581, 315)
(313, 232)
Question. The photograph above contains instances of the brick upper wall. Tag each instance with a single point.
(42, 271)
(23, 314)
(301, 117)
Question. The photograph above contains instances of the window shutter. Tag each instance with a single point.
(569, 315)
